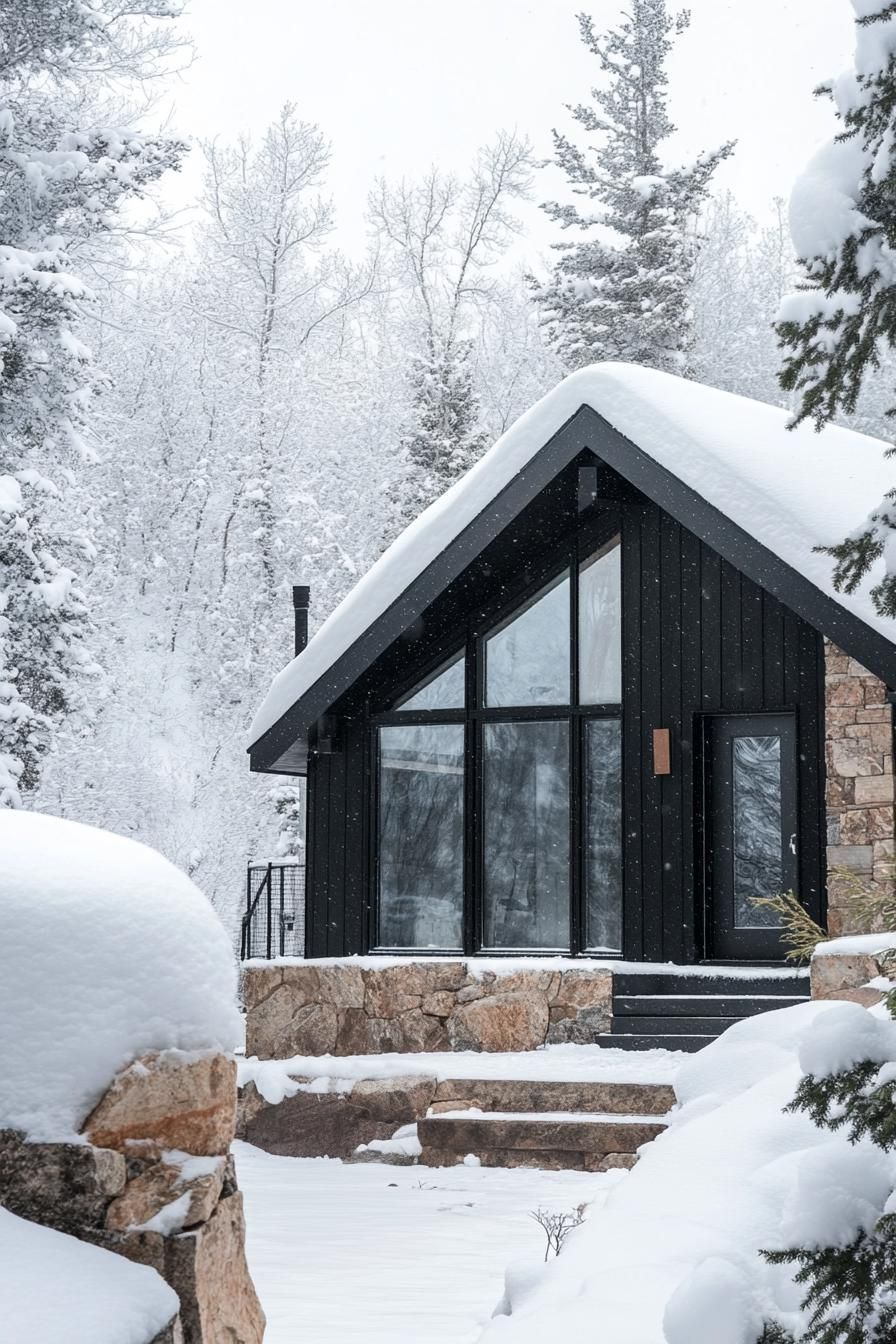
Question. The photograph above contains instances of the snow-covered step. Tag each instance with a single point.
(559, 1140)
(740, 981)
(666, 1041)
(686, 1010)
(701, 1005)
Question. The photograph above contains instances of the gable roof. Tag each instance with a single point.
(725, 466)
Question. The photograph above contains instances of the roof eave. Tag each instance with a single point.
(283, 748)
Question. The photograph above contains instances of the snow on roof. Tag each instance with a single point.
(790, 489)
(58, 1290)
(109, 952)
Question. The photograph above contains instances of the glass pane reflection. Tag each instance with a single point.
(526, 835)
(444, 690)
(527, 659)
(758, 862)
(600, 628)
(421, 794)
(603, 835)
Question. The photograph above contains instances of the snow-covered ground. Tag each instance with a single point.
(669, 1254)
(673, 1256)
(392, 1255)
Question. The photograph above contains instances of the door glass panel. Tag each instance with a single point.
(600, 628)
(603, 835)
(527, 658)
(526, 835)
(421, 805)
(758, 866)
(443, 690)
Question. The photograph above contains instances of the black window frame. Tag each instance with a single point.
(575, 551)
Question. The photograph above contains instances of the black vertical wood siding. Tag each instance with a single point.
(698, 638)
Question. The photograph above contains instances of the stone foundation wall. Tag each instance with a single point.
(321, 1007)
(860, 783)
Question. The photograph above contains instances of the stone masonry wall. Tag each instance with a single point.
(152, 1179)
(860, 782)
(322, 1007)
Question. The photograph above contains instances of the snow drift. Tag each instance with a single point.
(672, 1257)
(109, 952)
(57, 1290)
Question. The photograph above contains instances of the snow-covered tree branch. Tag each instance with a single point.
(835, 328)
(59, 184)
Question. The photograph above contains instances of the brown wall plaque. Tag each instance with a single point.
(662, 751)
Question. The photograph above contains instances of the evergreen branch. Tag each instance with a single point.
(800, 933)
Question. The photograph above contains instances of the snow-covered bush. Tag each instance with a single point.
(836, 328)
(847, 1266)
(109, 952)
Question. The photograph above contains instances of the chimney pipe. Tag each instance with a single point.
(301, 596)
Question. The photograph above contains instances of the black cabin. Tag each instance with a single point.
(579, 707)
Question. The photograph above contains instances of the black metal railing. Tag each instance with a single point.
(274, 922)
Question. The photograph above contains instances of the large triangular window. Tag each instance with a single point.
(443, 689)
(600, 627)
(527, 657)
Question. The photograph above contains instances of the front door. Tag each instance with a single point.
(750, 831)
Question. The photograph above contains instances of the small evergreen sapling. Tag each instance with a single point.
(626, 295)
(444, 440)
(836, 327)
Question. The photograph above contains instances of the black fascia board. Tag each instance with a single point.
(283, 747)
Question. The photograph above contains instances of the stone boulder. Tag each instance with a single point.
(164, 1184)
(297, 1010)
(412, 1032)
(500, 1022)
(66, 1186)
(172, 1334)
(208, 1271)
(334, 1124)
(845, 977)
(581, 1007)
(167, 1101)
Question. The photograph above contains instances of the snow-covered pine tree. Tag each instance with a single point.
(289, 805)
(834, 329)
(60, 186)
(849, 1287)
(622, 292)
(444, 438)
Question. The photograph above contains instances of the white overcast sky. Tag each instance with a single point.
(398, 85)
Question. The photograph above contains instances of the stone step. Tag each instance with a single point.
(551, 1140)
(700, 1005)
(514, 1094)
(667, 1041)
(788, 984)
(671, 1026)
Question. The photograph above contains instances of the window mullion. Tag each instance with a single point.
(472, 803)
